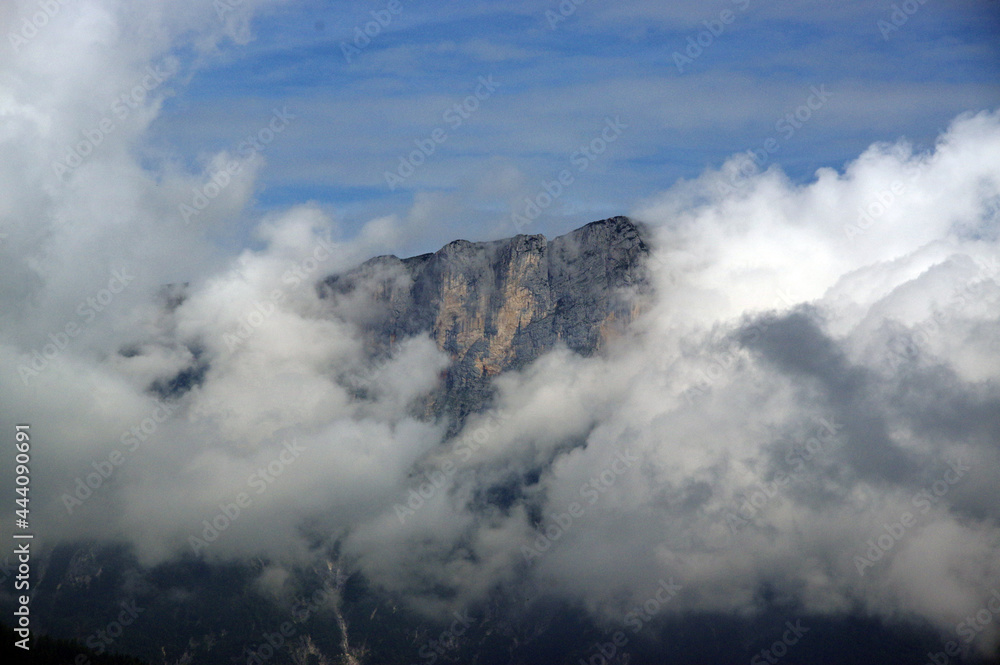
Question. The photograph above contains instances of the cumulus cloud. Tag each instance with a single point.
(119, 299)
(815, 378)
(808, 402)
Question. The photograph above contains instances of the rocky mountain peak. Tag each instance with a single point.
(498, 305)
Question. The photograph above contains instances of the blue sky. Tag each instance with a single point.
(557, 84)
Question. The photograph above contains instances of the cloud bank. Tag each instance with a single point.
(808, 405)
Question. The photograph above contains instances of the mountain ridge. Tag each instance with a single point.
(497, 305)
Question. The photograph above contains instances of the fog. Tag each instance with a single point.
(808, 402)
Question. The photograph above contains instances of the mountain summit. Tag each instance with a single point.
(498, 305)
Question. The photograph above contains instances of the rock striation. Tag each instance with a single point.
(498, 305)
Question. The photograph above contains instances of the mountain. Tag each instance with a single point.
(499, 305)
(492, 307)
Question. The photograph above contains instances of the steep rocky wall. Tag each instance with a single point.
(494, 306)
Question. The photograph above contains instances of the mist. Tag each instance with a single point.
(808, 401)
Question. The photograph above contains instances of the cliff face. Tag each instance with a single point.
(494, 306)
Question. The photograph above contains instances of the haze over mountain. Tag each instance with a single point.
(500, 305)
(738, 410)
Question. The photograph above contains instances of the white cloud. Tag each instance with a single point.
(775, 311)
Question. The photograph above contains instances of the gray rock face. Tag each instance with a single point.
(495, 306)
